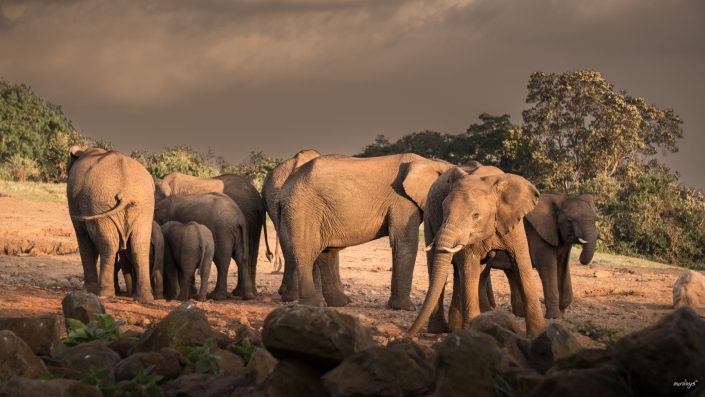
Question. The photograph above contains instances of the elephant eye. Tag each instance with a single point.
(476, 216)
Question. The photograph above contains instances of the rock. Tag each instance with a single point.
(230, 363)
(467, 362)
(23, 387)
(202, 385)
(221, 339)
(41, 334)
(585, 358)
(184, 326)
(261, 364)
(247, 332)
(520, 381)
(88, 356)
(601, 381)
(293, 378)
(552, 343)
(129, 367)
(322, 336)
(669, 351)
(17, 359)
(402, 368)
(689, 290)
(126, 343)
(500, 325)
(491, 320)
(82, 305)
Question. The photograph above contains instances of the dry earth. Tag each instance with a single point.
(614, 293)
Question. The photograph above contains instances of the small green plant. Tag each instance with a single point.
(102, 380)
(202, 359)
(104, 327)
(144, 384)
(244, 349)
(595, 332)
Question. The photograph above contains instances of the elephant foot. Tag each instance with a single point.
(401, 304)
(107, 291)
(93, 288)
(248, 294)
(201, 298)
(158, 295)
(218, 295)
(145, 297)
(438, 326)
(553, 314)
(337, 299)
(315, 300)
(289, 294)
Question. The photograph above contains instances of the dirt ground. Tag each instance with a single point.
(612, 295)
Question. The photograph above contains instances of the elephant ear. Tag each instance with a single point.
(420, 175)
(304, 157)
(486, 170)
(516, 197)
(544, 219)
(75, 153)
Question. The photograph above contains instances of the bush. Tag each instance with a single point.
(104, 327)
(181, 159)
(22, 169)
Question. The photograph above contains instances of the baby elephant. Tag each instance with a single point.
(188, 246)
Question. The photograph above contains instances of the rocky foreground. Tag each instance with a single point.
(308, 351)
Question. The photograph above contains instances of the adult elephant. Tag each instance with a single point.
(241, 191)
(557, 222)
(126, 262)
(111, 203)
(468, 217)
(333, 202)
(228, 225)
(272, 185)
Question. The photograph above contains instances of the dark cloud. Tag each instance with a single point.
(282, 75)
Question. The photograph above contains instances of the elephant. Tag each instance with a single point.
(189, 246)
(468, 217)
(125, 262)
(333, 202)
(241, 191)
(272, 185)
(111, 203)
(228, 225)
(557, 222)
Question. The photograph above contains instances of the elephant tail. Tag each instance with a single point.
(266, 240)
(121, 205)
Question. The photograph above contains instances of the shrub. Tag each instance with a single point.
(104, 327)
(202, 358)
(22, 169)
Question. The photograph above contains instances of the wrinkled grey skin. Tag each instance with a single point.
(333, 202)
(228, 225)
(111, 203)
(125, 262)
(189, 247)
(468, 217)
(557, 222)
(241, 191)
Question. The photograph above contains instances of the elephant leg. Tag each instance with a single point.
(484, 290)
(116, 280)
(221, 257)
(171, 276)
(244, 277)
(186, 279)
(471, 304)
(455, 312)
(157, 258)
(514, 291)
(108, 256)
(205, 272)
(254, 234)
(333, 293)
(139, 243)
(317, 276)
(490, 293)
(302, 269)
(565, 286)
(89, 259)
(404, 240)
(278, 257)
(522, 261)
(548, 271)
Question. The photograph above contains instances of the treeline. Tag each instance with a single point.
(580, 135)
(35, 137)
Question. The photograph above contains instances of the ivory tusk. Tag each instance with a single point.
(454, 249)
(582, 241)
(429, 247)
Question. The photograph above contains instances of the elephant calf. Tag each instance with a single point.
(126, 263)
(189, 246)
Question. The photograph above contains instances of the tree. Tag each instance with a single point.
(484, 142)
(255, 167)
(580, 128)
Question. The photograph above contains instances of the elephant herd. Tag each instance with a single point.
(475, 218)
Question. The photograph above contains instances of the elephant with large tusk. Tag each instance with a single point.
(467, 218)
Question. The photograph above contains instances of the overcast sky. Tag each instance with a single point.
(283, 75)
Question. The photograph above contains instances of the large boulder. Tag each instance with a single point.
(202, 385)
(23, 387)
(17, 359)
(322, 336)
(165, 365)
(292, 378)
(183, 327)
(553, 343)
(82, 306)
(261, 364)
(689, 290)
(89, 356)
(42, 334)
(402, 368)
(467, 362)
(500, 325)
(602, 381)
(668, 352)
(230, 363)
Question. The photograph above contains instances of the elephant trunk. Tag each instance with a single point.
(439, 270)
(590, 238)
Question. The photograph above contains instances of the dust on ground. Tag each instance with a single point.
(614, 294)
